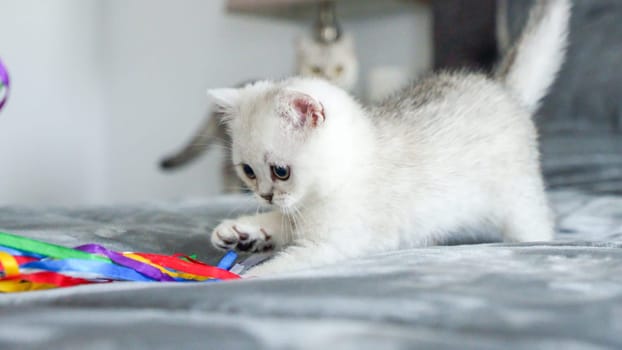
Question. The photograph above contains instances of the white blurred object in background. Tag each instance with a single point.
(384, 80)
(101, 89)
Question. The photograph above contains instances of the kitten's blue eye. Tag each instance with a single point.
(248, 171)
(280, 172)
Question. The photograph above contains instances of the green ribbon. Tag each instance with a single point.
(46, 249)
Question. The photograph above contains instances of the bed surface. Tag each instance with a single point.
(565, 294)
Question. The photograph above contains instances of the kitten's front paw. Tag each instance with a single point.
(241, 237)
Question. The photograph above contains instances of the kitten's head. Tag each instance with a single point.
(278, 132)
(335, 61)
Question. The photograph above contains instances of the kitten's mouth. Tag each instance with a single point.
(282, 202)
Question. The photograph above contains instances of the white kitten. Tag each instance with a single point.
(454, 152)
(335, 61)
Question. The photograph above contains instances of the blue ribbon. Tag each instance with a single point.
(103, 269)
(19, 252)
(228, 260)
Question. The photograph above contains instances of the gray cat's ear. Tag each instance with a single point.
(226, 99)
(302, 110)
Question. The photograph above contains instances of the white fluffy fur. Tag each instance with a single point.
(453, 153)
(335, 62)
(530, 68)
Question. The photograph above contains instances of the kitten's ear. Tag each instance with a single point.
(226, 99)
(302, 110)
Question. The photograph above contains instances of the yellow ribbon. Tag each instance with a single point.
(183, 275)
(12, 286)
(9, 264)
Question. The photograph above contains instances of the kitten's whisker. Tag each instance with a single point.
(293, 231)
(298, 219)
(287, 234)
(239, 188)
(300, 216)
(283, 225)
(236, 208)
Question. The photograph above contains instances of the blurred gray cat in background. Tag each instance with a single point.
(334, 61)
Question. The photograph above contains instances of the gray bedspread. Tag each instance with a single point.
(566, 294)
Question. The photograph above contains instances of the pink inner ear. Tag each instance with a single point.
(307, 107)
(302, 106)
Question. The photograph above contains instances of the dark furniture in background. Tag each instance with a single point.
(580, 121)
(464, 33)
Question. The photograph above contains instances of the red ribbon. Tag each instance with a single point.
(200, 269)
(24, 259)
(47, 277)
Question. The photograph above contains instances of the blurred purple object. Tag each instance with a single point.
(4, 84)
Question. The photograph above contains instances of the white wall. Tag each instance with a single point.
(51, 129)
(399, 40)
(163, 58)
(103, 89)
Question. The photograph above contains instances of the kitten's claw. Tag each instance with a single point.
(241, 237)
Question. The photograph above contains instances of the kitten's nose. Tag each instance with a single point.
(267, 197)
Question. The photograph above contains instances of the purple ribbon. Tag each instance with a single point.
(122, 260)
(4, 83)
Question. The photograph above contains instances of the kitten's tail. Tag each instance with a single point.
(211, 132)
(530, 66)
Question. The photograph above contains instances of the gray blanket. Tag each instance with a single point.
(565, 294)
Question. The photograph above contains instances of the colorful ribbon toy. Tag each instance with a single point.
(4, 85)
(27, 264)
